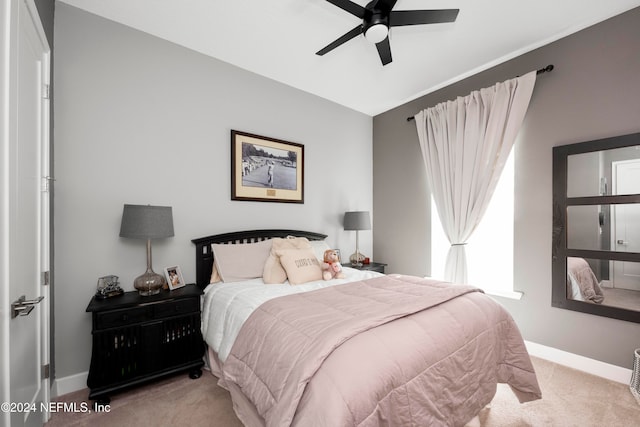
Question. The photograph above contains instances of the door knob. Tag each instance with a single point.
(23, 306)
(622, 242)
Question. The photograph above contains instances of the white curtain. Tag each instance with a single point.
(465, 144)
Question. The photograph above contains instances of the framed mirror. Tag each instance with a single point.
(596, 227)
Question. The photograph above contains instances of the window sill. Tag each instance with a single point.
(495, 292)
(504, 294)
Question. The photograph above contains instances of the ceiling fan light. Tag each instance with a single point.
(376, 33)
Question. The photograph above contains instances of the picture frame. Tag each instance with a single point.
(174, 277)
(265, 169)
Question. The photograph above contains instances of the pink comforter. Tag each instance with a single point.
(581, 271)
(395, 350)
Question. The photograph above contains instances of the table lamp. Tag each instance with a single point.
(357, 220)
(147, 222)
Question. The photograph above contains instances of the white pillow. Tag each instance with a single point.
(319, 246)
(242, 261)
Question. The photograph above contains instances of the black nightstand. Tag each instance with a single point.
(137, 339)
(373, 266)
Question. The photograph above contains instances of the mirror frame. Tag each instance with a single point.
(559, 251)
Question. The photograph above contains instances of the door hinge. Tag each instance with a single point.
(46, 278)
(46, 183)
(46, 371)
(45, 92)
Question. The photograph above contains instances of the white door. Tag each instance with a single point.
(24, 214)
(626, 227)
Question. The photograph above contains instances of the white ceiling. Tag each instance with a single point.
(278, 39)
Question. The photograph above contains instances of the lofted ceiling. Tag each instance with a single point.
(278, 39)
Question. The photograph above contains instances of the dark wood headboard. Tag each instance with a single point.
(204, 255)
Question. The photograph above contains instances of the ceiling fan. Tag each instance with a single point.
(378, 16)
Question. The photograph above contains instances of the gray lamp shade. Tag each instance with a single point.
(146, 222)
(357, 220)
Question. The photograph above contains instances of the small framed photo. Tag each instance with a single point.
(174, 277)
(339, 256)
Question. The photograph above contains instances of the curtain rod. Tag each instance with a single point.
(546, 69)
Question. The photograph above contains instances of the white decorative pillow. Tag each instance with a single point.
(273, 271)
(301, 265)
(241, 262)
(319, 246)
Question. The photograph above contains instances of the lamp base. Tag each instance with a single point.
(356, 259)
(149, 283)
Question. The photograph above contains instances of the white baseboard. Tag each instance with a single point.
(581, 363)
(69, 384)
(77, 382)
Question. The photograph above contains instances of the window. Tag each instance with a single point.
(490, 248)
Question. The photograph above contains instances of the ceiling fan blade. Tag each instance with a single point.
(384, 50)
(345, 38)
(349, 6)
(384, 6)
(400, 18)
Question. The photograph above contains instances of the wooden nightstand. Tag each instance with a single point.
(373, 266)
(137, 339)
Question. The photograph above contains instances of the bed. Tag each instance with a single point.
(582, 284)
(366, 350)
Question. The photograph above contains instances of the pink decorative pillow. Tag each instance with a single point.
(301, 265)
(241, 262)
(215, 276)
(273, 271)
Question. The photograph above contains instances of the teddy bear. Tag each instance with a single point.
(331, 267)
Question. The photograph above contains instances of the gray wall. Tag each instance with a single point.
(140, 120)
(594, 92)
(45, 10)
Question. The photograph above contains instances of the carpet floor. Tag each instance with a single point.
(569, 398)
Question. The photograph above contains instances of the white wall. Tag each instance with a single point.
(143, 121)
